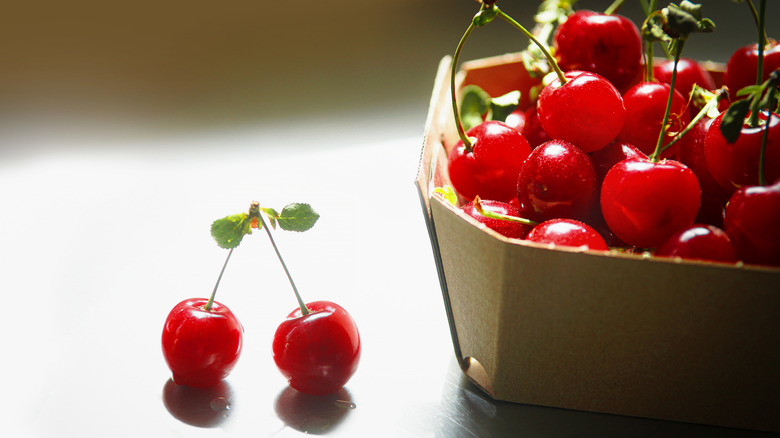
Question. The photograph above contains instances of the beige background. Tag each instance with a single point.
(179, 64)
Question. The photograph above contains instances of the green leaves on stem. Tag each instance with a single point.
(230, 230)
(477, 105)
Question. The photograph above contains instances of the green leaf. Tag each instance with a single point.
(229, 231)
(485, 16)
(475, 104)
(297, 217)
(733, 119)
(502, 106)
(271, 214)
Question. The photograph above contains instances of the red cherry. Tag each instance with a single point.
(612, 154)
(558, 180)
(318, 352)
(587, 110)
(608, 45)
(645, 202)
(742, 66)
(527, 123)
(489, 170)
(201, 346)
(567, 232)
(734, 165)
(699, 242)
(752, 221)
(645, 107)
(511, 229)
(689, 73)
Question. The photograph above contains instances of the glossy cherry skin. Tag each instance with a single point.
(645, 107)
(699, 242)
(612, 154)
(608, 45)
(489, 170)
(587, 110)
(689, 73)
(319, 352)
(201, 347)
(742, 66)
(734, 165)
(511, 229)
(567, 232)
(752, 221)
(644, 203)
(558, 180)
(527, 123)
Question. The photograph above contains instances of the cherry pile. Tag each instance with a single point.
(623, 151)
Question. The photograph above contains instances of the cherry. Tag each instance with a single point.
(201, 346)
(527, 123)
(699, 242)
(734, 165)
(317, 352)
(489, 167)
(608, 45)
(751, 221)
(567, 232)
(557, 180)
(645, 202)
(587, 110)
(742, 66)
(511, 229)
(645, 106)
(613, 153)
(689, 73)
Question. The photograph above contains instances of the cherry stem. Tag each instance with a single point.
(304, 310)
(467, 144)
(542, 47)
(760, 65)
(764, 138)
(614, 7)
(504, 217)
(656, 155)
(722, 93)
(210, 302)
(756, 17)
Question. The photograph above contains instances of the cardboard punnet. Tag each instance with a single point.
(595, 331)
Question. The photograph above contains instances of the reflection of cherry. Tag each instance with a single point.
(201, 407)
(313, 414)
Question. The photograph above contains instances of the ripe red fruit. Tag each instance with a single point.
(608, 45)
(699, 242)
(689, 73)
(489, 170)
(318, 352)
(527, 123)
(567, 232)
(612, 154)
(201, 346)
(511, 229)
(645, 107)
(742, 66)
(734, 165)
(752, 221)
(645, 202)
(558, 180)
(587, 110)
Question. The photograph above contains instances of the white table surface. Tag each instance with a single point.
(101, 238)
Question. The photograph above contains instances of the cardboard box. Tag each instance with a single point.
(604, 332)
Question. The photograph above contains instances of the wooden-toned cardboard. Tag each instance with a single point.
(597, 331)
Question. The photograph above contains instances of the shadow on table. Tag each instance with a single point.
(201, 407)
(313, 414)
(466, 411)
